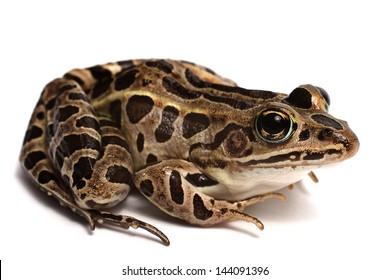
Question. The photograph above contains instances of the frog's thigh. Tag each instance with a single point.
(111, 176)
(165, 185)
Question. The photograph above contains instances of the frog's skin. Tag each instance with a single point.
(195, 144)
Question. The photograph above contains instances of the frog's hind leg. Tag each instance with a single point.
(78, 158)
(35, 161)
(40, 170)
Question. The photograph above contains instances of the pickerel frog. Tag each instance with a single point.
(192, 142)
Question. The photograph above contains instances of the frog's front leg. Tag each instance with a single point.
(167, 185)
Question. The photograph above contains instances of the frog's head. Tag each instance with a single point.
(299, 131)
(275, 143)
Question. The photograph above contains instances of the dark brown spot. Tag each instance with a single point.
(119, 174)
(224, 211)
(74, 78)
(140, 142)
(200, 162)
(88, 122)
(151, 159)
(32, 133)
(325, 134)
(91, 203)
(40, 115)
(78, 96)
(80, 184)
(126, 64)
(46, 176)
(193, 123)
(138, 107)
(314, 156)
(75, 142)
(209, 163)
(200, 180)
(161, 65)
(101, 86)
(125, 80)
(115, 140)
(50, 104)
(176, 88)
(200, 211)
(326, 121)
(33, 158)
(175, 187)
(72, 143)
(165, 130)
(65, 113)
(65, 88)
(196, 81)
(112, 217)
(333, 151)
(105, 123)
(83, 168)
(146, 187)
(300, 98)
(116, 112)
(99, 72)
(304, 135)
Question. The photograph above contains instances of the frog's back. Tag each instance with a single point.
(166, 106)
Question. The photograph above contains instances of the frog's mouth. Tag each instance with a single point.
(296, 158)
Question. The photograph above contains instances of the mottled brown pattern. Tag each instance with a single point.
(194, 123)
(190, 140)
(138, 107)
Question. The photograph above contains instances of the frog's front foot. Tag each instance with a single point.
(167, 185)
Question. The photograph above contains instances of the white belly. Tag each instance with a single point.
(242, 185)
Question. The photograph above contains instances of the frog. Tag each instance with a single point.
(193, 143)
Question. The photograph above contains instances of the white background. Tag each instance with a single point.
(335, 229)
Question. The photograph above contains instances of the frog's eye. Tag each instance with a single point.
(274, 126)
(325, 95)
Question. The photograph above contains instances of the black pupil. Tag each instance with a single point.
(273, 123)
